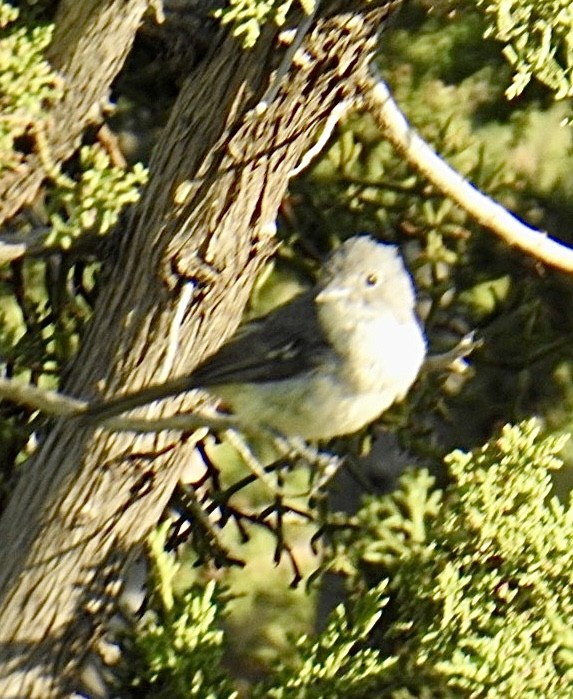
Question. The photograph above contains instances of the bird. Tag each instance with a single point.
(324, 364)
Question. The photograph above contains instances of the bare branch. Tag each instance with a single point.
(49, 402)
(379, 102)
(59, 405)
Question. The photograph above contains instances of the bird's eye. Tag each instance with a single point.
(372, 279)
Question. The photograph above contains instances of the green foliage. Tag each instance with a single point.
(8, 14)
(178, 645)
(335, 664)
(93, 199)
(460, 593)
(479, 576)
(178, 642)
(469, 588)
(28, 85)
(538, 38)
(248, 16)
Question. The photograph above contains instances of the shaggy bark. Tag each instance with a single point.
(186, 263)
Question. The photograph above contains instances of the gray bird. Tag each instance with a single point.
(324, 364)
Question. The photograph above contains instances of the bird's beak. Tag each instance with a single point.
(332, 293)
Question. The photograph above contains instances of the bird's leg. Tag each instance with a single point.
(252, 462)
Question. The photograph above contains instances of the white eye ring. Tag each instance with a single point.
(372, 279)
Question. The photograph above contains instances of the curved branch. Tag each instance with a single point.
(380, 103)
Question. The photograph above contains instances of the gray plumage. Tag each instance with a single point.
(324, 364)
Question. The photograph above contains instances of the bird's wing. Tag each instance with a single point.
(285, 343)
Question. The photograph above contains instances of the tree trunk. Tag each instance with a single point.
(186, 263)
